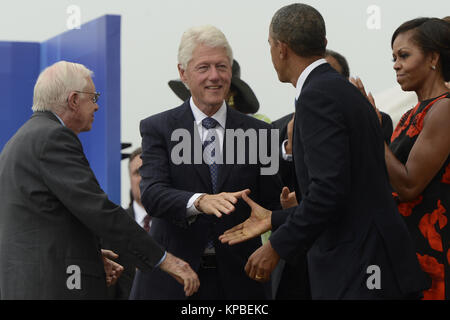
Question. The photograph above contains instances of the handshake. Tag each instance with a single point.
(258, 222)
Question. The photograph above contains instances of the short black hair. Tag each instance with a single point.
(341, 60)
(302, 28)
(431, 35)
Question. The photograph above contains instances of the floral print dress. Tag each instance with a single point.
(427, 215)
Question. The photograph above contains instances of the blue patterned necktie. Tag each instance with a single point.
(210, 145)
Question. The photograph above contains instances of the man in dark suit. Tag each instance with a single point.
(291, 281)
(192, 202)
(356, 242)
(53, 209)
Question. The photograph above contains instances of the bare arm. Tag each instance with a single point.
(427, 156)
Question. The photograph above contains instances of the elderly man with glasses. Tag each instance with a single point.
(53, 209)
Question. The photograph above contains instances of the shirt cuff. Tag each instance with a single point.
(286, 156)
(162, 259)
(191, 210)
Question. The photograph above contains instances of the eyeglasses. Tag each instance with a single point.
(96, 95)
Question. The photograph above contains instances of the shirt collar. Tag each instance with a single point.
(60, 120)
(301, 80)
(220, 116)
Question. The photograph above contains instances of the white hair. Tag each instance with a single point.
(56, 82)
(207, 35)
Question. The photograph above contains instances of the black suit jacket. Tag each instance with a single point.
(53, 213)
(347, 219)
(166, 189)
(287, 173)
(287, 167)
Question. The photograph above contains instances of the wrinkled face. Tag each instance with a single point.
(208, 76)
(135, 178)
(411, 65)
(87, 108)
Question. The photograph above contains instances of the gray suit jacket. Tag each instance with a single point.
(53, 213)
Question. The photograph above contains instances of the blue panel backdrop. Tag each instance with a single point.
(19, 69)
(96, 45)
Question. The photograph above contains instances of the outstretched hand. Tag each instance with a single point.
(258, 223)
(218, 204)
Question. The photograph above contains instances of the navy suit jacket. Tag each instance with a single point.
(166, 189)
(347, 219)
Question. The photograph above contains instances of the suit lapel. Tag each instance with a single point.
(185, 119)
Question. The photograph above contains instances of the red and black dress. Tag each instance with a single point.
(427, 216)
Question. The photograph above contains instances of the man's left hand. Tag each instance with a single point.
(261, 263)
(113, 270)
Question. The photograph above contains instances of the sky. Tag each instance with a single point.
(151, 30)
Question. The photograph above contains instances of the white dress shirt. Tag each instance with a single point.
(140, 214)
(221, 117)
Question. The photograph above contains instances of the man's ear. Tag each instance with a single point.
(283, 50)
(73, 101)
(182, 72)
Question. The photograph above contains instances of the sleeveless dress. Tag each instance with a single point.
(427, 216)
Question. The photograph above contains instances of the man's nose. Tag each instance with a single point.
(213, 73)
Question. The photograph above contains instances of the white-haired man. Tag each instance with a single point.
(53, 209)
(192, 204)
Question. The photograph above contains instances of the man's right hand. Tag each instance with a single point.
(218, 204)
(182, 272)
